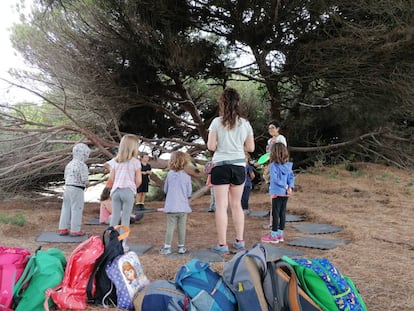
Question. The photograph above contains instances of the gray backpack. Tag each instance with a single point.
(162, 295)
(259, 284)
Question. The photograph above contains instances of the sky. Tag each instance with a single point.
(9, 58)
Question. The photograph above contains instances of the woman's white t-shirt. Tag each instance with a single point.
(230, 143)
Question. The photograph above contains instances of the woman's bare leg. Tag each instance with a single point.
(221, 195)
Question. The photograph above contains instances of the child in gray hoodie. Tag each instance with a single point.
(76, 180)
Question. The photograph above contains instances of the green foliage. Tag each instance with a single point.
(17, 219)
(409, 187)
(39, 114)
(330, 70)
(156, 193)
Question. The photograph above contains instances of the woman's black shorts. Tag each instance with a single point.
(228, 174)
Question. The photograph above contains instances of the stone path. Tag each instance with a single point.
(274, 250)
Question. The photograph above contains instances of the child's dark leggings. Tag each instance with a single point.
(279, 213)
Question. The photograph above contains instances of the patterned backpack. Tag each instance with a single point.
(126, 273)
(323, 282)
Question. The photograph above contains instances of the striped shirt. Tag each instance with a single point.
(125, 175)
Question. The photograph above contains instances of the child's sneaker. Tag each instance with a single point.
(220, 249)
(78, 233)
(280, 237)
(63, 232)
(268, 238)
(239, 245)
(165, 250)
(182, 249)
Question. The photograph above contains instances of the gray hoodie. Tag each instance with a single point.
(76, 171)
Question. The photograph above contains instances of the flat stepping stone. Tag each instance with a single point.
(206, 255)
(54, 237)
(176, 255)
(318, 243)
(139, 249)
(294, 218)
(259, 213)
(275, 252)
(93, 222)
(143, 211)
(317, 228)
(265, 214)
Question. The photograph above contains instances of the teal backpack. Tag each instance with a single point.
(205, 287)
(44, 270)
(323, 282)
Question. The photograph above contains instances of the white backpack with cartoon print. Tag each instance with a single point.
(126, 272)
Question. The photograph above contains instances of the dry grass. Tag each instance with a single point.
(374, 206)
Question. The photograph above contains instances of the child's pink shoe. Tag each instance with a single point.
(268, 238)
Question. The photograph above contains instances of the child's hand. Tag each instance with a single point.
(289, 191)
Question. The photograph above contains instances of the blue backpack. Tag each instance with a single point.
(205, 287)
(162, 295)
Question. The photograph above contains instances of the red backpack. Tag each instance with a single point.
(12, 263)
(71, 294)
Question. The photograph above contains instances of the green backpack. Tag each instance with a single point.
(323, 282)
(44, 270)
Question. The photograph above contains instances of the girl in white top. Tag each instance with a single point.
(274, 128)
(230, 136)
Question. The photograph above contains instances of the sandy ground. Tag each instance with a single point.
(374, 206)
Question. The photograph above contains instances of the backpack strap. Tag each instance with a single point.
(124, 235)
(292, 293)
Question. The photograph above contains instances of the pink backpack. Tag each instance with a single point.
(12, 263)
(71, 294)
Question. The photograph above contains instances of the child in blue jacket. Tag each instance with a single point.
(282, 182)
